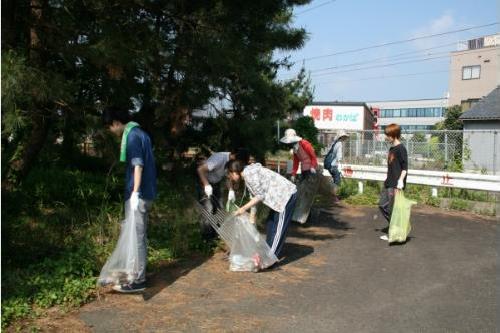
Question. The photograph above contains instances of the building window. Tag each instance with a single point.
(412, 112)
(471, 72)
(477, 43)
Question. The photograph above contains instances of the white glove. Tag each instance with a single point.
(231, 196)
(134, 201)
(313, 171)
(209, 190)
(400, 184)
(292, 179)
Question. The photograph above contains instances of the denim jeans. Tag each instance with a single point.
(386, 202)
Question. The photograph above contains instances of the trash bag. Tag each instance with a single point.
(249, 250)
(400, 226)
(306, 190)
(123, 264)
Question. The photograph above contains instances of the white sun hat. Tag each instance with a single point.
(341, 134)
(290, 136)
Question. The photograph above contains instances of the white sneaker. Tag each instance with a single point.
(384, 237)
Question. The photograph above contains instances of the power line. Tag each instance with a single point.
(378, 66)
(312, 8)
(384, 77)
(397, 63)
(384, 58)
(400, 41)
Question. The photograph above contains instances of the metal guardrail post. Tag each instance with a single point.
(360, 187)
(495, 156)
(446, 147)
(497, 205)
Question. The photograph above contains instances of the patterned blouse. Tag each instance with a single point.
(273, 189)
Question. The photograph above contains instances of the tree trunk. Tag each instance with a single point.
(27, 151)
(8, 24)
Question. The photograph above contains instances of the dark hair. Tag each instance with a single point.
(242, 155)
(112, 113)
(393, 131)
(235, 166)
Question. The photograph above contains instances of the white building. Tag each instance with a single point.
(411, 115)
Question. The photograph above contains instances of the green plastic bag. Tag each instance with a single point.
(400, 226)
(231, 207)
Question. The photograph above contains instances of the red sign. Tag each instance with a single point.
(347, 171)
(446, 180)
(316, 113)
(328, 114)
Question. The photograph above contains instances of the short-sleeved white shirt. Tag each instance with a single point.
(216, 166)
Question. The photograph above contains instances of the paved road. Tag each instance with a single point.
(337, 277)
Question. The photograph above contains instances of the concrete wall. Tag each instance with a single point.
(483, 145)
(460, 90)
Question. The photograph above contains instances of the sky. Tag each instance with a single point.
(343, 25)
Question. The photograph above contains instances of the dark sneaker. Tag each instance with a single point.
(130, 288)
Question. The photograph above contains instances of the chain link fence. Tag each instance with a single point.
(455, 151)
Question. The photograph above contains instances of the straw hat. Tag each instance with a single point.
(290, 136)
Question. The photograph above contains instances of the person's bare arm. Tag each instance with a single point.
(254, 201)
(203, 174)
(137, 177)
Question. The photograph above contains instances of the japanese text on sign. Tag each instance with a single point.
(336, 117)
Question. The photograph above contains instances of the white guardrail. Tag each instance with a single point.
(469, 181)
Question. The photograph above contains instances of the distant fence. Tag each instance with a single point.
(475, 151)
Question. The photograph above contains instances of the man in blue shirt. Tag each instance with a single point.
(140, 183)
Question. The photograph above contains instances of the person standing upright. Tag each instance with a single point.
(397, 171)
(303, 154)
(140, 183)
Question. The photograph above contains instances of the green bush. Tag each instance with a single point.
(61, 225)
(420, 193)
(67, 281)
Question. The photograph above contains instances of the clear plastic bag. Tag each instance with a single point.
(123, 264)
(249, 250)
(400, 225)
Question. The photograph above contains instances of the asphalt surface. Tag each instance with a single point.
(337, 276)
